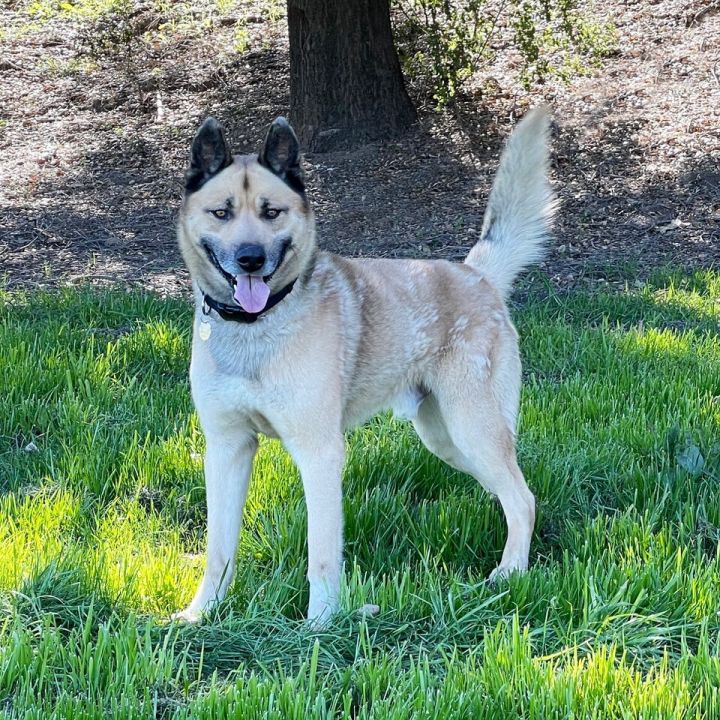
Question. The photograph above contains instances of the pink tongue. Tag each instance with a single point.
(251, 293)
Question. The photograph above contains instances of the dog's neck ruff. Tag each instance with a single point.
(237, 314)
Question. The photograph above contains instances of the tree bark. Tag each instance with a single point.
(346, 86)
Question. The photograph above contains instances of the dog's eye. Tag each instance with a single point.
(270, 213)
(221, 214)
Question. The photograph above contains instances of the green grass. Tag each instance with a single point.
(102, 530)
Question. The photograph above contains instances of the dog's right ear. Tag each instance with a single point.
(209, 155)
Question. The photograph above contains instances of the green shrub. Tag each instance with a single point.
(556, 38)
(443, 43)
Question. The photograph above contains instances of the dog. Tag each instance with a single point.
(301, 345)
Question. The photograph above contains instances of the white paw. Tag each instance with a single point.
(187, 616)
(502, 572)
(319, 616)
(323, 603)
(319, 622)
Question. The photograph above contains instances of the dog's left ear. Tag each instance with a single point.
(209, 155)
(281, 155)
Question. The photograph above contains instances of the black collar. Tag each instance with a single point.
(236, 313)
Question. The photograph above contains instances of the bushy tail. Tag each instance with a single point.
(520, 207)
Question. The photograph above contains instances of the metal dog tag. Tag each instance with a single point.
(205, 330)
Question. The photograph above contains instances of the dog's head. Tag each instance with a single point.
(246, 229)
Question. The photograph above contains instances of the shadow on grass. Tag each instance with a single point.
(662, 303)
(63, 594)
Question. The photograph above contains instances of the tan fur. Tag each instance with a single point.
(431, 339)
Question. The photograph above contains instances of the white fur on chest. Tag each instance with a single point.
(230, 373)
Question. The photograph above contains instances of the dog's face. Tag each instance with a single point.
(246, 229)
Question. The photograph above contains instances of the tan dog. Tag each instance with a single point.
(300, 344)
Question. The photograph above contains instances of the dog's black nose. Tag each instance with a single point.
(250, 257)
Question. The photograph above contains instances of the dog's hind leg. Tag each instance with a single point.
(490, 452)
(228, 464)
(464, 426)
(430, 427)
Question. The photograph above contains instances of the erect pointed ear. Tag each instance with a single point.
(281, 155)
(209, 155)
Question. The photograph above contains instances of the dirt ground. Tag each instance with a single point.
(93, 149)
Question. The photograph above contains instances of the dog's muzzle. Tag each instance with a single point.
(250, 290)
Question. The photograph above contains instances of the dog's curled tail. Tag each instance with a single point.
(520, 207)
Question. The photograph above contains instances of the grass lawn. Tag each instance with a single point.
(102, 531)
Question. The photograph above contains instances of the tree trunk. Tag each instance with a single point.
(346, 86)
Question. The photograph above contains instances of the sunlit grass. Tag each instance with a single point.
(102, 523)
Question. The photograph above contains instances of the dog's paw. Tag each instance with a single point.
(320, 622)
(324, 603)
(320, 615)
(502, 572)
(186, 617)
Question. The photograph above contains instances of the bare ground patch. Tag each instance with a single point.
(92, 152)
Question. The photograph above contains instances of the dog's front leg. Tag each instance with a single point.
(228, 465)
(320, 461)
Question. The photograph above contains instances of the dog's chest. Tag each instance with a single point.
(232, 379)
(236, 402)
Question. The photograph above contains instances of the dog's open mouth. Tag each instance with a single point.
(250, 292)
